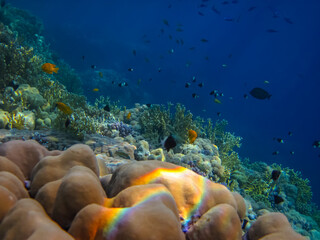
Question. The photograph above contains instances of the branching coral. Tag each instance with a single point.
(304, 189)
(158, 122)
(154, 121)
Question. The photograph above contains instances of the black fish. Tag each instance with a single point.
(212, 92)
(200, 84)
(123, 84)
(271, 30)
(93, 66)
(194, 95)
(67, 123)
(187, 85)
(218, 114)
(292, 152)
(260, 93)
(280, 140)
(169, 143)
(244, 224)
(202, 5)
(170, 6)
(130, 69)
(251, 9)
(148, 104)
(83, 58)
(225, 3)
(288, 20)
(275, 175)
(201, 14)
(194, 79)
(107, 108)
(278, 199)
(215, 10)
(245, 96)
(134, 52)
(204, 40)
(316, 144)
(290, 134)
(275, 153)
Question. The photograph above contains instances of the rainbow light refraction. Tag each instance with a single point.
(116, 215)
(178, 175)
(177, 180)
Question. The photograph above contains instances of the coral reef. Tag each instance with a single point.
(144, 198)
(118, 137)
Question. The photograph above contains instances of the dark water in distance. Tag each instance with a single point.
(106, 32)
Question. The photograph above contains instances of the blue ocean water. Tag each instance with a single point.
(248, 43)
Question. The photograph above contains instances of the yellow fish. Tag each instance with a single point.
(49, 68)
(128, 115)
(192, 135)
(216, 100)
(95, 90)
(64, 108)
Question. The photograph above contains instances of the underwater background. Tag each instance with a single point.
(155, 52)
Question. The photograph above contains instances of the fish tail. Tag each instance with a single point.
(55, 70)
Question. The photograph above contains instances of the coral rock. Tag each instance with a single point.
(241, 205)
(46, 195)
(13, 184)
(157, 154)
(219, 223)
(79, 188)
(31, 95)
(142, 152)
(121, 150)
(137, 213)
(273, 226)
(28, 220)
(29, 119)
(108, 165)
(105, 181)
(25, 154)
(52, 168)
(4, 119)
(193, 193)
(9, 166)
(7, 201)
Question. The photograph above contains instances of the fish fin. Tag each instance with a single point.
(55, 70)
